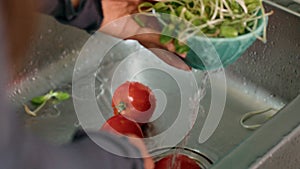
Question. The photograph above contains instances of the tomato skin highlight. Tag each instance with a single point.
(122, 126)
(135, 101)
(181, 162)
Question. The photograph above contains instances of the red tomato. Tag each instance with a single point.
(122, 126)
(135, 101)
(180, 162)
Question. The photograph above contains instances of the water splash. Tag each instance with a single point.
(56, 113)
(197, 109)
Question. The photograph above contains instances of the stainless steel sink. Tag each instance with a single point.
(267, 75)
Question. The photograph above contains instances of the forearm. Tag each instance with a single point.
(89, 155)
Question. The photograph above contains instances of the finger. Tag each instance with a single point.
(171, 59)
(139, 144)
(165, 52)
(115, 9)
(151, 38)
(123, 27)
(148, 39)
(148, 161)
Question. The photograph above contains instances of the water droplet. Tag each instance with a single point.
(33, 78)
(31, 63)
(49, 30)
(18, 91)
(105, 79)
(101, 86)
(77, 69)
(102, 91)
(77, 124)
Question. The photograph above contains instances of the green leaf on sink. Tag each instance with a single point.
(38, 100)
(42, 100)
(61, 96)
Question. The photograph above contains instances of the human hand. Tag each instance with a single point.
(118, 22)
(148, 161)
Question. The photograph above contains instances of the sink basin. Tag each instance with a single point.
(266, 76)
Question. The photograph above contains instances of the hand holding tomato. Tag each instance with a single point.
(135, 101)
(132, 102)
(121, 126)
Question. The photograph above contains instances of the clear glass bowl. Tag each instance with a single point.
(203, 161)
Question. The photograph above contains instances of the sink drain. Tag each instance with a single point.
(203, 161)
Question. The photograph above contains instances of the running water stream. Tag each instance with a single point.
(198, 109)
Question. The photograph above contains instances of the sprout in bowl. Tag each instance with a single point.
(200, 29)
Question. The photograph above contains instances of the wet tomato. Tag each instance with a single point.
(135, 101)
(179, 162)
(122, 126)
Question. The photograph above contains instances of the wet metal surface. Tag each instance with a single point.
(267, 75)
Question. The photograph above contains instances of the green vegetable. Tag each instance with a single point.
(165, 39)
(38, 100)
(146, 6)
(228, 32)
(180, 47)
(167, 34)
(160, 7)
(213, 18)
(61, 96)
(42, 100)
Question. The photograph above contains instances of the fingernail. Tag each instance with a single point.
(183, 55)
